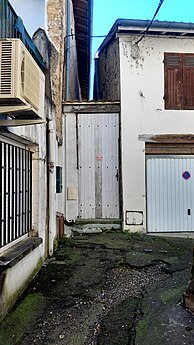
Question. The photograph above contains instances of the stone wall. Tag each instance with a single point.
(109, 71)
(56, 29)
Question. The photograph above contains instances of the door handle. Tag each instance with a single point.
(189, 211)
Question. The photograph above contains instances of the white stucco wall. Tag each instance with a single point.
(32, 13)
(17, 278)
(43, 219)
(71, 170)
(60, 161)
(142, 110)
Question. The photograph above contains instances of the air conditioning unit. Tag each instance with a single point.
(22, 83)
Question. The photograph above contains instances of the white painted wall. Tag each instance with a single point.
(37, 137)
(32, 13)
(60, 161)
(37, 134)
(18, 277)
(142, 110)
(27, 267)
(71, 170)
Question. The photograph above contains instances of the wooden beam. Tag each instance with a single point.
(169, 149)
(91, 107)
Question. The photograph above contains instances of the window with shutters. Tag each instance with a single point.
(179, 81)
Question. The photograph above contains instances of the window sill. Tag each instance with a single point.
(16, 253)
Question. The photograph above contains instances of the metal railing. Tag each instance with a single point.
(10, 29)
(15, 192)
(8, 18)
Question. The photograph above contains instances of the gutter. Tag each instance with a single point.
(138, 26)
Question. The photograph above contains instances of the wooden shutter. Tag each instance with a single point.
(173, 80)
(188, 81)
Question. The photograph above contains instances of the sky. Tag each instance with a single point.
(105, 12)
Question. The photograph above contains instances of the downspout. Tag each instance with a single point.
(67, 49)
(44, 45)
(96, 94)
(47, 213)
(90, 11)
(66, 91)
(51, 183)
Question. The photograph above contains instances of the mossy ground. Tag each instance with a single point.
(19, 321)
(77, 271)
(118, 326)
(157, 305)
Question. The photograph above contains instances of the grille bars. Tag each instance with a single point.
(15, 192)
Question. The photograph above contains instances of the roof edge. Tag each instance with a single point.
(138, 26)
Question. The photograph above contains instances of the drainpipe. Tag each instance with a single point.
(67, 49)
(51, 199)
(96, 94)
(67, 82)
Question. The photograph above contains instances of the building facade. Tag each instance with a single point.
(39, 59)
(152, 76)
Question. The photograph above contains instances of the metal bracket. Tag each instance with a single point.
(15, 108)
(20, 122)
(14, 123)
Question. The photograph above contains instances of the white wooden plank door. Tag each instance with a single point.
(170, 193)
(98, 164)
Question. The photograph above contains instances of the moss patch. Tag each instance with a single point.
(172, 294)
(21, 319)
(77, 272)
(157, 307)
(146, 337)
(68, 253)
(117, 326)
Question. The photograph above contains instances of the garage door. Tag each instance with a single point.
(170, 193)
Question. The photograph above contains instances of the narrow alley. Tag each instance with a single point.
(107, 289)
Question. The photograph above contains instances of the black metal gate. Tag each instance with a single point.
(15, 192)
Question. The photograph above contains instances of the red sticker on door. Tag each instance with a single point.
(99, 157)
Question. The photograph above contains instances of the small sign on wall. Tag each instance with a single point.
(134, 217)
(186, 175)
(72, 193)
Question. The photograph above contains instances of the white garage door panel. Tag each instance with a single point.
(170, 205)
